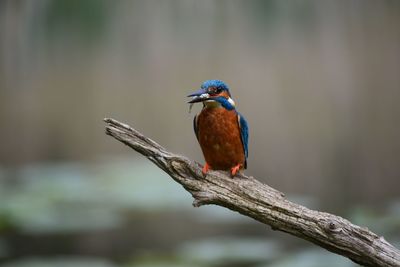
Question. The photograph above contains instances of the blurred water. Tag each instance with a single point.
(71, 197)
(227, 251)
(127, 208)
(312, 258)
(61, 262)
(317, 80)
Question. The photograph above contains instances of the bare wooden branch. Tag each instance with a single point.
(254, 199)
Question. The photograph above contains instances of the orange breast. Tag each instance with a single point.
(219, 138)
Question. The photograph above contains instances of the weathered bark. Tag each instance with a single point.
(254, 199)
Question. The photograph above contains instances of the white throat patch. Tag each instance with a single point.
(230, 100)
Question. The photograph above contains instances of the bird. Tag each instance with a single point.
(220, 129)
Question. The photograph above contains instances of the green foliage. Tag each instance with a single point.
(85, 18)
(6, 223)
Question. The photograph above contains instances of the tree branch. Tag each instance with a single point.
(254, 199)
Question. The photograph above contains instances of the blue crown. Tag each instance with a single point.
(215, 83)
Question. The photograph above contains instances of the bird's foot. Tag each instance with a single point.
(205, 169)
(236, 169)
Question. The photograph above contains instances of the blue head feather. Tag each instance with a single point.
(215, 83)
(222, 86)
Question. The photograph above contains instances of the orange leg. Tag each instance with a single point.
(205, 169)
(236, 169)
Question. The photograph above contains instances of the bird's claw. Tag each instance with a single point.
(235, 170)
(205, 169)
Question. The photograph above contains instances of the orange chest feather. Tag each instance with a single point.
(219, 137)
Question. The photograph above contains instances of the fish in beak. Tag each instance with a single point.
(199, 96)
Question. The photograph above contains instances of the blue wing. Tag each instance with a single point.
(195, 127)
(244, 134)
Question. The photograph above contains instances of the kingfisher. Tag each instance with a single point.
(220, 129)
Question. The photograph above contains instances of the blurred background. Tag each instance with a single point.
(318, 81)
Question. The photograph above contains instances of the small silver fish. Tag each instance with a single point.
(202, 96)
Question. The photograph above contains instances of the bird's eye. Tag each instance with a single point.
(214, 90)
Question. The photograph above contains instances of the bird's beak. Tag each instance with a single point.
(199, 96)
